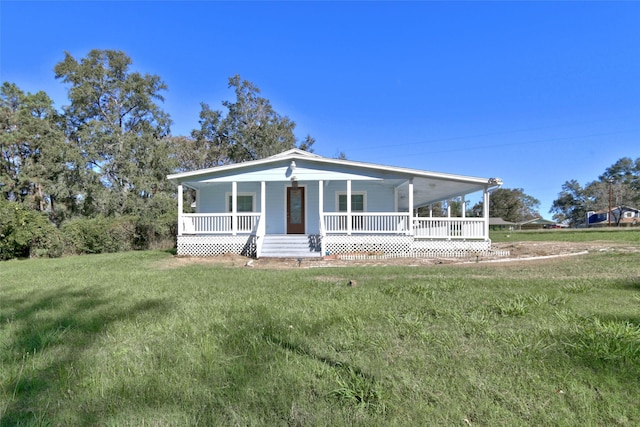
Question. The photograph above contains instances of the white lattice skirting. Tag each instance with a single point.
(451, 245)
(347, 246)
(216, 245)
(403, 246)
(367, 244)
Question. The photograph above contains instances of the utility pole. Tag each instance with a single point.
(610, 199)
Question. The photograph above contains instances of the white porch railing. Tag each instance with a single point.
(367, 223)
(338, 223)
(220, 223)
(449, 228)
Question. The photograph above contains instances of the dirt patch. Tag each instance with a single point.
(533, 249)
(519, 251)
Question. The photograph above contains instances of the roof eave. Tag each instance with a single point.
(296, 154)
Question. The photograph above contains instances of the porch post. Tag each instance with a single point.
(464, 207)
(349, 225)
(263, 203)
(234, 208)
(395, 199)
(410, 225)
(321, 204)
(321, 225)
(485, 211)
(180, 203)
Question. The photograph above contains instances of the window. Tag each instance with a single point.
(357, 202)
(245, 202)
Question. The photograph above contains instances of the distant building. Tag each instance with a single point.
(501, 224)
(627, 215)
(537, 224)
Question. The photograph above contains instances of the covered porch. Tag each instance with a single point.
(299, 193)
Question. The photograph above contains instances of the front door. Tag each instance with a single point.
(295, 210)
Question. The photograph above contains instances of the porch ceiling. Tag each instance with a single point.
(431, 190)
(425, 190)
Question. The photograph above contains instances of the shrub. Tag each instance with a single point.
(26, 233)
(98, 235)
(115, 234)
(153, 233)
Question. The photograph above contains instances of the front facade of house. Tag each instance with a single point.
(240, 208)
(622, 215)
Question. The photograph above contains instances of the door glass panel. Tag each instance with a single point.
(295, 204)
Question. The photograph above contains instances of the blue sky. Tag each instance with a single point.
(536, 93)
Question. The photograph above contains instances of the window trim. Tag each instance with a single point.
(353, 193)
(230, 194)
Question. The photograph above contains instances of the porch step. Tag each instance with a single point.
(290, 246)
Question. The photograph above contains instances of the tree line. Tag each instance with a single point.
(107, 153)
(618, 188)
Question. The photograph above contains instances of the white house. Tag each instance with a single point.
(295, 204)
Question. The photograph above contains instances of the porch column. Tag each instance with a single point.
(410, 225)
(349, 225)
(395, 199)
(485, 211)
(464, 207)
(322, 230)
(234, 208)
(321, 205)
(263, 204)
(180, 203)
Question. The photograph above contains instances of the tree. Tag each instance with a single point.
(511, 205)
(32, 149)
(623, 179)
(117, 126)
(571, 205)
(250, 130)
(625, 171)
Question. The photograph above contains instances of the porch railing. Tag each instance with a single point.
(338, 223)
(449, 228)
(219, 223)
(368, 222)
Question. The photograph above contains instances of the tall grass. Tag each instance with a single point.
(129, 339)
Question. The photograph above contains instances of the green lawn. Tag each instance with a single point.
(123, 339)
(614, 234)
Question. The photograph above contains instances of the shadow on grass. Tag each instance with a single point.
(264, 334)
(631, 283)
(47, 333)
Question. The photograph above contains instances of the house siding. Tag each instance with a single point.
(379, 198)
(304, 171)
(213, 198)
(276, 205)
